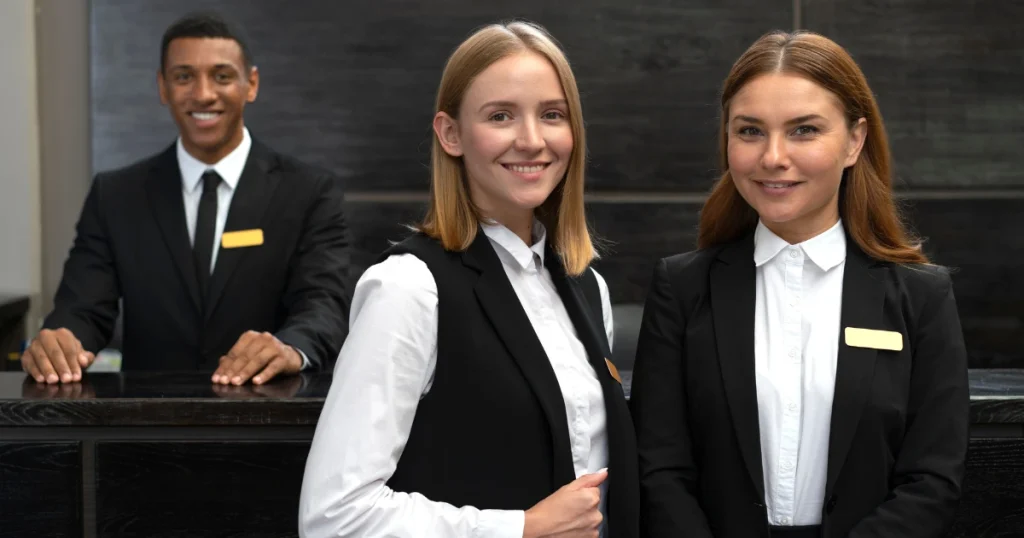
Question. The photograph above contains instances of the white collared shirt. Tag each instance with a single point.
(799, 293)
(192, 170)
(386, 366)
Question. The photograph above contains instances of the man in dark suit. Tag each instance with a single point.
(228, 257)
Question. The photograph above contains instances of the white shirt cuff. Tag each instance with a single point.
(306, 365)
(500, 524)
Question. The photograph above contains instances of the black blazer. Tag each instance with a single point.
(899, 419)
(132, 244)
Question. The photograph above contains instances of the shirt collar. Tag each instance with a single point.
(229, 168)
(506, 240)
(826, 250)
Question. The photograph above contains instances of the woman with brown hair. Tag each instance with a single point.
(473, 396)
(803, 373)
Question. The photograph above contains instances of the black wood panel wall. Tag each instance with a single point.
(350, 86)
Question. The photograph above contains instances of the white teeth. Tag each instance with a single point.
(526, 169)
(776, 185)
(203, 116)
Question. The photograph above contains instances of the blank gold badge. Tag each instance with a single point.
(874, 339)
(242, 238)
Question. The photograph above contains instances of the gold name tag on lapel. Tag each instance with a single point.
(242, 238)
(613, 370)
(874, 339)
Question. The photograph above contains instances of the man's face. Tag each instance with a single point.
(206, 85)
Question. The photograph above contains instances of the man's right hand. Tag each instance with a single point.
(56, 356)
(571, 512)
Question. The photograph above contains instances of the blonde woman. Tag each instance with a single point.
(474, 396)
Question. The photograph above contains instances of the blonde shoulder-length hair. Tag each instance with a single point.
(452, 218)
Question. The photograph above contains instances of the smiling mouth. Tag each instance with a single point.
(527, 168)
(205, 116)
(778, 184)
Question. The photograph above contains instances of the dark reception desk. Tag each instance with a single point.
(171, 455)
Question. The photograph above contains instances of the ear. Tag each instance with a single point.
(447, 131)
(254, 84)
(160, 87)
(858, 134)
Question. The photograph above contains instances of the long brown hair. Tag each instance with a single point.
(870, 215)
(452, 218)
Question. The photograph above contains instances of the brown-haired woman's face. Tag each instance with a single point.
(513, 134)
(788, 143)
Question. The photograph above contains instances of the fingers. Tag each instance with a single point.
(43, 362)
(28, 363)
(256, 354)
(592, 480)
(256, 362)
(72, 350)
(225, 371)
(55, 356)
(249, 355)
(275, 367)
(54, 349)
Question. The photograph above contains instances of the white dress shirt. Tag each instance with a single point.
(386, 366)
(796, 340)
(230, 170)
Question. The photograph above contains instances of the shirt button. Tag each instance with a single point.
(784, 521)
(793, 254)
(787, 466)
(791, 406)
(792, 352)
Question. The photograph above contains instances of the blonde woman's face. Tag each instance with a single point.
(514, 136)
(789, 142)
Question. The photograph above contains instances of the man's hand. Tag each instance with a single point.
(56, 356)
(259, 356)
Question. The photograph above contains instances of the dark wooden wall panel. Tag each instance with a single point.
(351, 87)
(199, 488)
(40, 489)
(947, 74)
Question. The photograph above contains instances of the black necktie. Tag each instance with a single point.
(206, 227)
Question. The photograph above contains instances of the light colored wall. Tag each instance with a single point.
(20, 205)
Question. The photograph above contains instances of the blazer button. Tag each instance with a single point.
(830, 505)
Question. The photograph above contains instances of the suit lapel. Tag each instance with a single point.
(733, 279)
(501, 305)
(579, 313)
(623, 493)
(863, 299)
(163, 188)
(248, 205)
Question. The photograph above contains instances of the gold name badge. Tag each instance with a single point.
(242, 238)
(874, 339)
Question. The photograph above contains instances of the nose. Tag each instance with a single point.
(203, 90)
(776, 154)
(529, 136)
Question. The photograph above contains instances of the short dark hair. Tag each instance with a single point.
(203, 24)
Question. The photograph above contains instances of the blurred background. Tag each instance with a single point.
(349, 85)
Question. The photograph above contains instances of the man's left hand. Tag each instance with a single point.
(259, 356)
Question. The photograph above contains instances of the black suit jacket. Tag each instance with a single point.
(132, 244)
(899, 418)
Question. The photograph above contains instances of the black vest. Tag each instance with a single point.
(491, 432)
